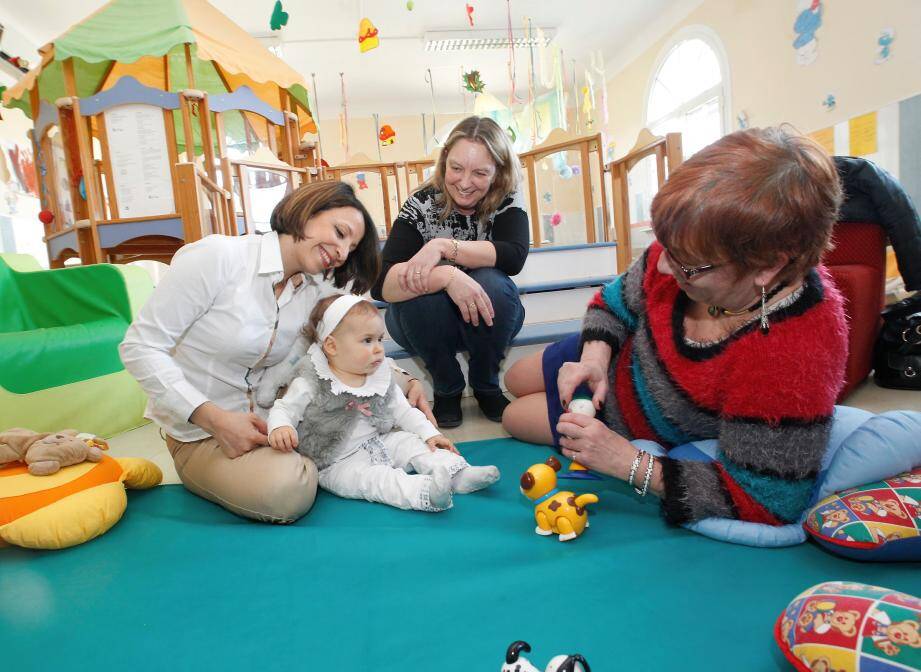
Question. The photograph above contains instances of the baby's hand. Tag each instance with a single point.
(283, 439)
(441, 441)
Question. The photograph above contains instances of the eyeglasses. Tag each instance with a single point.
(689, 272)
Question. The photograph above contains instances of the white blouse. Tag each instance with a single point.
(213, 325)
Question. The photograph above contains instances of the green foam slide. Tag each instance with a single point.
(59, 336)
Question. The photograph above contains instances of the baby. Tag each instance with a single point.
(348, 406)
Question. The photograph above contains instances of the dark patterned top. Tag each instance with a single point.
(417, 224)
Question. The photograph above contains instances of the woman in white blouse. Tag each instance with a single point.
(229, 308)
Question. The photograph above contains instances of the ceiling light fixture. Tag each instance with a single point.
(479, 40)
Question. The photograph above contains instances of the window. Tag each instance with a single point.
(688, 94)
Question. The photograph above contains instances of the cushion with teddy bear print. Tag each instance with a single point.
(845, 627)
(877, 521)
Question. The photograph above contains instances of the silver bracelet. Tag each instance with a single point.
(635, 466)
(649, 467)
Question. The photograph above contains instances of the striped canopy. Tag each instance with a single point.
(147, 40)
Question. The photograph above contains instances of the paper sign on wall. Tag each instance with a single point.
(62, 183)
(862, 132)
(826, 138)
(140, 161)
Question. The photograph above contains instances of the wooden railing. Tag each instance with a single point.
(239, 171)
(385, 170)
(556, 142)
(669, 155)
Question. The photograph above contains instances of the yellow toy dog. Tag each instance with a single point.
(556, 512)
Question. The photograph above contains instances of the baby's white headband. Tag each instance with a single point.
(334, 314)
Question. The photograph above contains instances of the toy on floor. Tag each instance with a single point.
(556, 511)
(515, 662)
(81, 495)
(45, 453)
(582, 404)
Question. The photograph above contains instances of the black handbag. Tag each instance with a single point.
(897, 355)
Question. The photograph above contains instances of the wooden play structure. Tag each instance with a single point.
(591, 178)
(361, 165)
(152, 123)
(668, 153)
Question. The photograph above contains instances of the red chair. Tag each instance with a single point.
(858, 267)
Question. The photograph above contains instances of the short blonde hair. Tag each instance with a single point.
(508, 167)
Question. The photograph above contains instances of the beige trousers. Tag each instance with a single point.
(263, 484)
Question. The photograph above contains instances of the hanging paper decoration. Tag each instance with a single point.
(279, 17)
(410, 4)
(742, 119)
(343, 116)
(512, 66)
(81, 189)
(473, 83)
(576, 170)
(830, 102)
(808, 21)
(511, 134)
(316, 109)
(46, 217)
(556, 219)
(609, 151)
(431, 82)
(362, 181)
(886, 38)
(548, 197)
(470, 14)
(387, 135)
(566, 172)
(367, 36)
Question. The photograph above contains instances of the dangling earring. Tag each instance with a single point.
(765, 325)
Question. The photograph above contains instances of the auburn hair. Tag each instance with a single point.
(296, 209)
(748, 199)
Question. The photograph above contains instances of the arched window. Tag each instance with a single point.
(689, 92)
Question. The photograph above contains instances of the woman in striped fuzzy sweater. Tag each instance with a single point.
(727, 328)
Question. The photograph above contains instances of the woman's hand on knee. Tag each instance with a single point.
(573, 374)
(471, 299)
(414, 276)
(236, 433)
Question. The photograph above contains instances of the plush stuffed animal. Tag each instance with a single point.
(46, 453)
(81, 496)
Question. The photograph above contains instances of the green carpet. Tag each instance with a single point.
(181, 584)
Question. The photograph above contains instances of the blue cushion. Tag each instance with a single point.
(862, 448)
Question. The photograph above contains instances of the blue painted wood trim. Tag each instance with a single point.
(66, 241)
(561, 248)
(598, 281)
(537, 288)
(128, 90)
(244, 99)
(47, 116)
(111, 235)
(530, 334)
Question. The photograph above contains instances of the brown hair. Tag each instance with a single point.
(312, 328)
(508, 167)
(749, 198)
(297, 208)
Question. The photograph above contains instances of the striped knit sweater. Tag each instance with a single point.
(768, 398)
